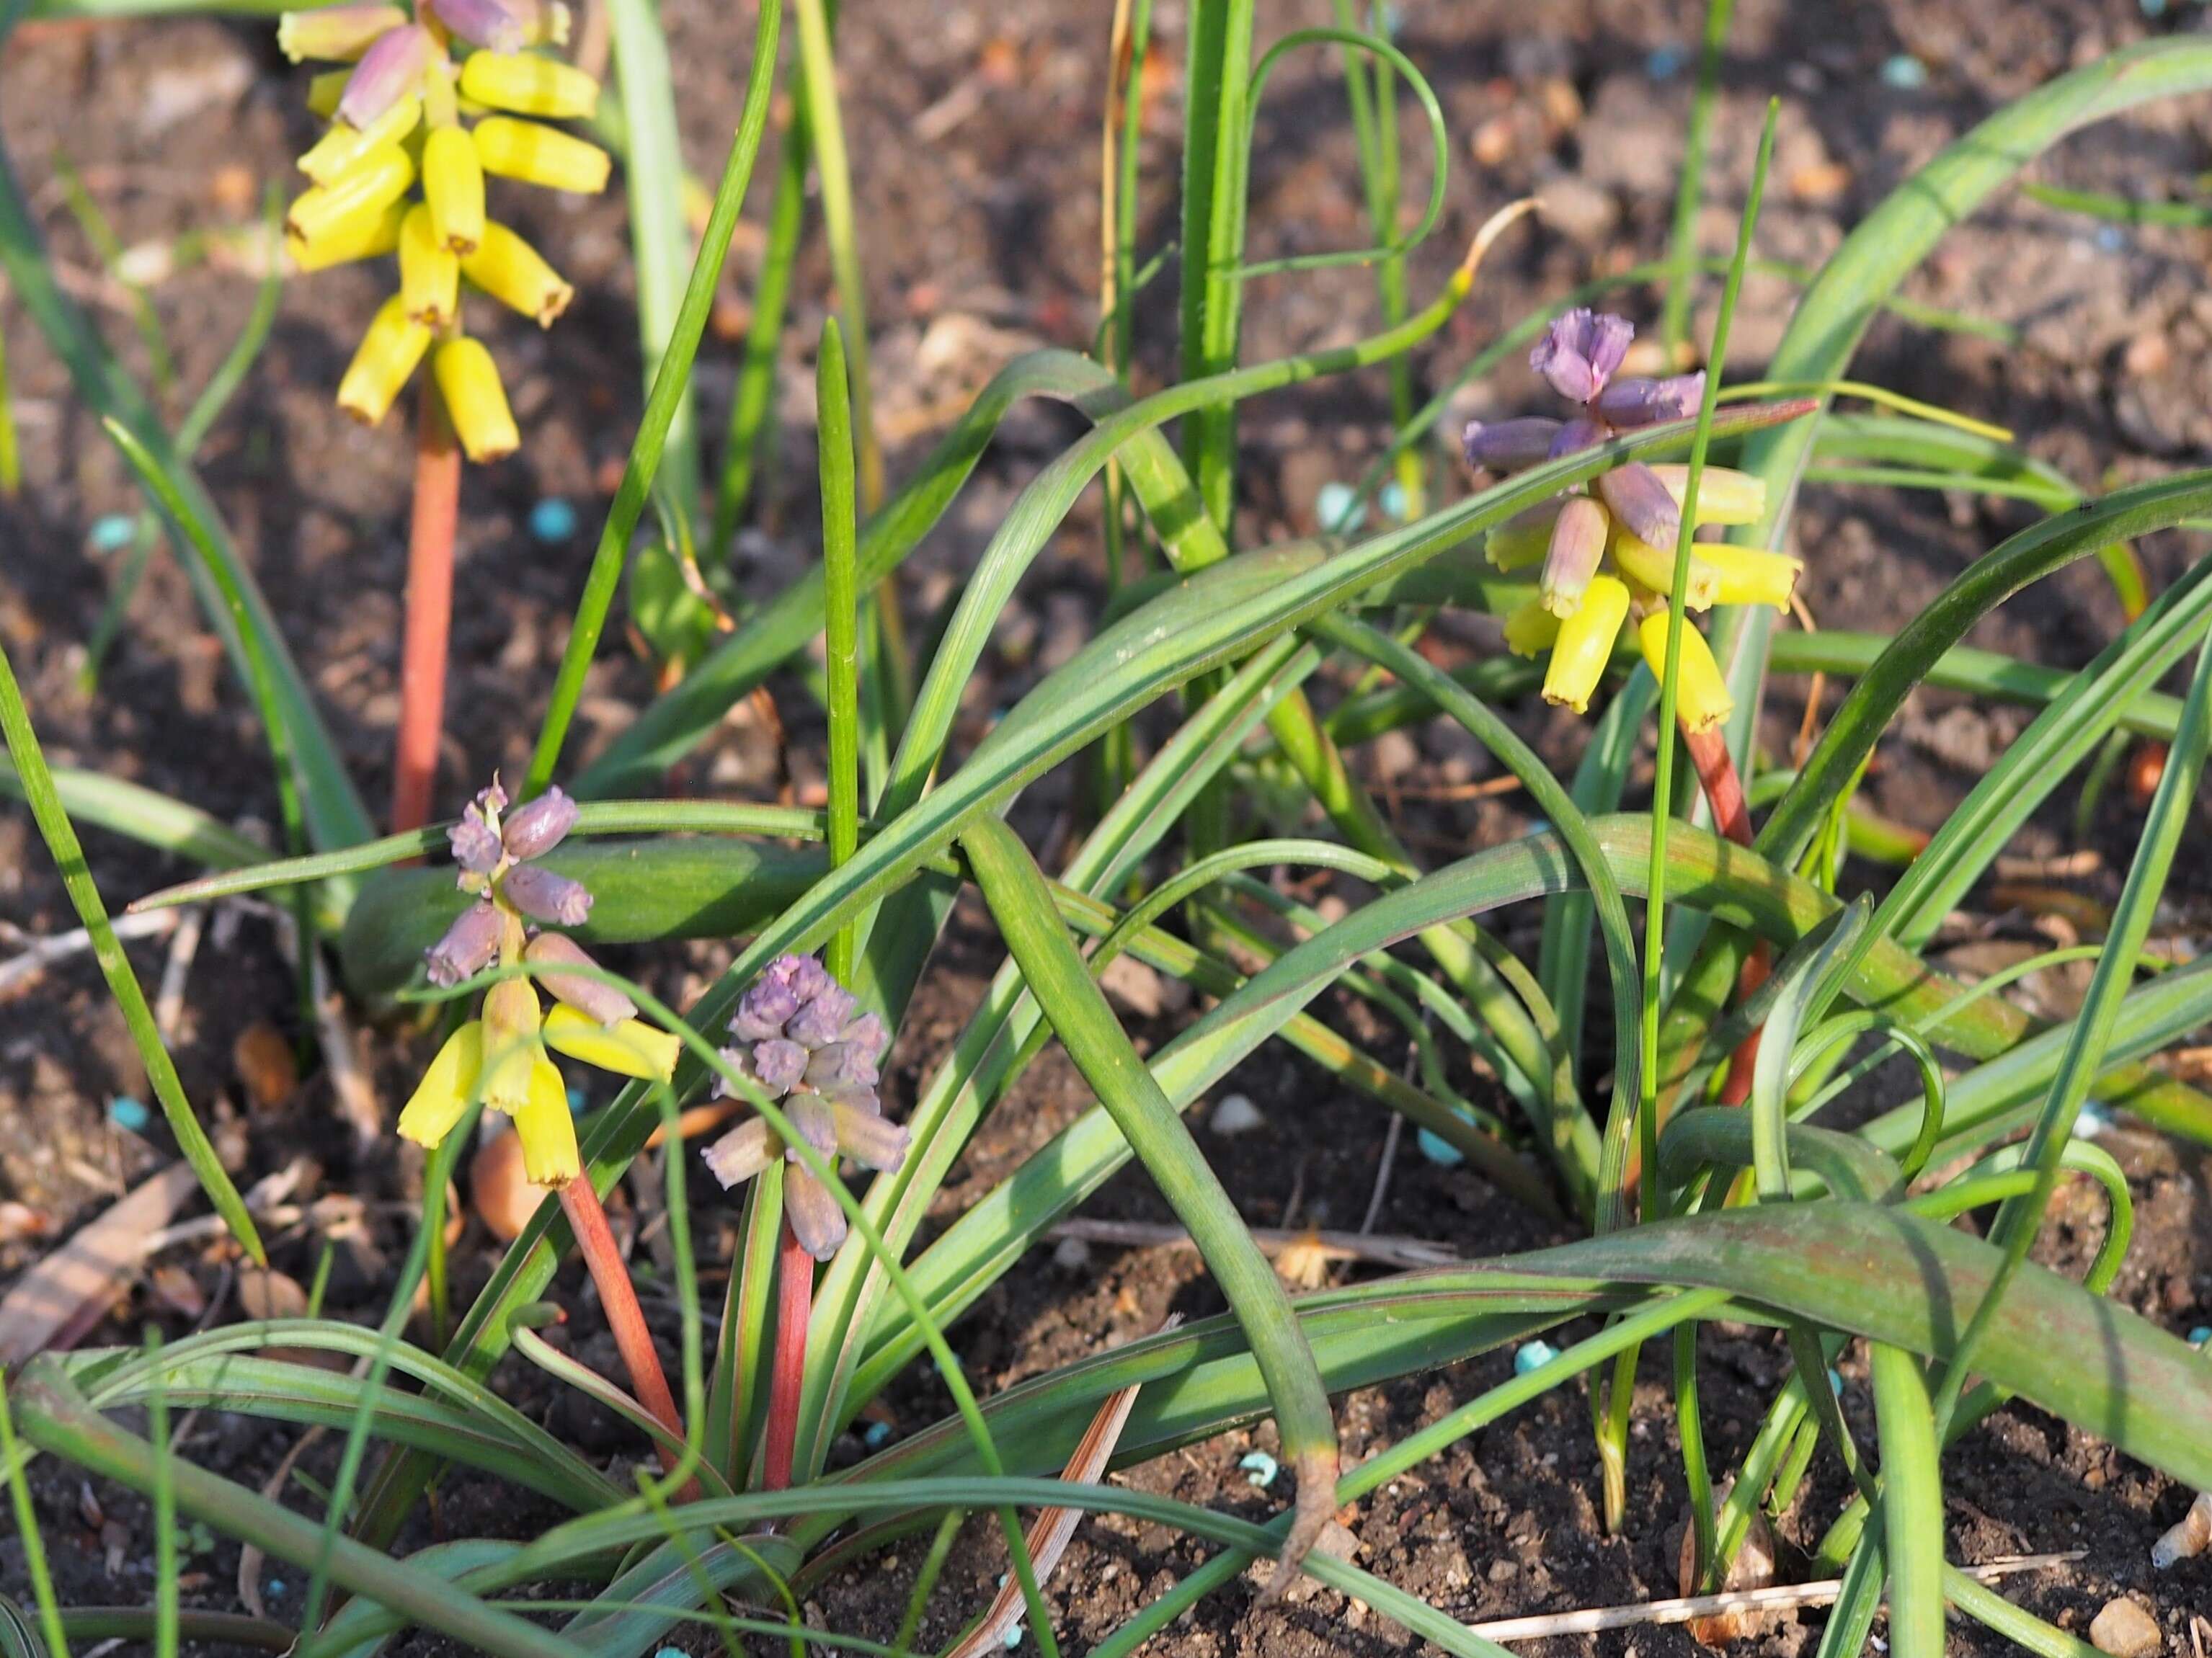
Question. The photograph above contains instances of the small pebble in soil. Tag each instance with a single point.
(672, 1652)
(2110, 238)
(112, 533)
(1337, 508)
(1236, 1114)
(2200, 1335)
(1835, 1381)
(575, 1100)
(1533, 1355)
(1904, 72)
(1012, 1637)
(1260, 1469)
(1070, 1254)
(552, 519)
(128, 1114)
(2126, 1631)
(1391, 498)
(1438, 1149)
(276, 1586)
(2090, 1123)
(1664, 62)
(876, 1434)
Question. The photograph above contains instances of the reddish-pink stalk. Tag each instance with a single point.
(587, 1219)
(794, 1307)
(430, 612)
(1709, 753)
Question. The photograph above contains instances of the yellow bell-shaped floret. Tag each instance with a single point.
(468, 379)
(1585, 644)
(388, 353)
(446, 1089)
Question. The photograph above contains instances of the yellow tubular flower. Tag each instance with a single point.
(628, 1047)
(452, 186)
(377, 179)
(338, 149)
(388, 353)
(1585, 644)
(1653, 569)
(1531, 629)
(430, 273)
(541, 156)
(1724, 495)
(469, 382)
(1748, 575)
(1701, 697)
(546, 1131)
(510, 270)
(335, 33)
(363, 239)
(446, 1089)
(529, 86)
(511, 1044)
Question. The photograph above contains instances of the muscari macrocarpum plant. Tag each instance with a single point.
(1755, 1214)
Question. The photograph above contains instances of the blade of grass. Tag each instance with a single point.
(841, 598)
(26, 1529)
(1689, 190)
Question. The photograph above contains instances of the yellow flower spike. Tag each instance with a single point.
(529, 86)
(324, 91)
(430, 273)
(446, 1089)
(1531, 629)
(388, 353)
(335, 33)
(534, 154)
(469, 382)
(514, 273)
(453, 188)
(1701, 697)
(1585, 643)
(377, 179)
(1724, 495)
(1750, 575)
(1653, 567)
(334, 153)
(512, 1047)
(364, 239)
(546, 1128)
(628, 1047)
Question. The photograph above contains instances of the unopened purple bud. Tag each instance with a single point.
(743, 1152)
(1647, 402)
(391, 67)
(1580, 351)
(475, 842)
(1635, 492)
(1580, 433)
(867, 1034)
(868, 1139)
(542, 895)
(840, 1065)
(1504, 445)
(816, 1220)
(812, 1118)
(778, 1064)
(485, 23)
(467, 948)
(817, 1023)
(593, 998)
(535, 829)
(1577, 545)
(767, 1003)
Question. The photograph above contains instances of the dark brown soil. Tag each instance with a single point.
(979, 243)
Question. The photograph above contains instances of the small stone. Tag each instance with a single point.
(1260, 1469)
(1337, 508)
(552, 519)
(264, 1064)
(263, 1294)
(877, 1435)
(1664, 62)
(1578, 210)
(128, 1114)
(1532, 1356)
(1236, 1116)
(2146, 354)
(2090, 1123)
(1438, 1149)
(1070, 1254)
(1905, 73)
(112, 532)
(2200, 1335)
(1396, 755)
(2126, 1631)
(1132, 986)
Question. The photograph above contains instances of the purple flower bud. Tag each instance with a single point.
(810, 1116)
(1580, 351)
(485, 23)
(1577, 545)
(467, 946)
(391, 67)
(767, 1003)
(1580, 433)
(817, 1023)
(868, 1139)
(1635, 492)
(743, 1152)
(535, 829)
(1504, 445)
(816, 1220)
(841, 1065)
(1647, 402)
(475, 842)
(542, 895)
(867, 1034)
(778, 1064)
(590, 996)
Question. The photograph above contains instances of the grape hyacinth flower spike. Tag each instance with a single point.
(800, 1041)
(1605, 555)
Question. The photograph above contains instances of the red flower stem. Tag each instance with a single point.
(430, 612)
(1709, 753)
(794, 1307)
(587, 1219)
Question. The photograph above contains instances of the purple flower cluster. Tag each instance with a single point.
(801, 1042)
